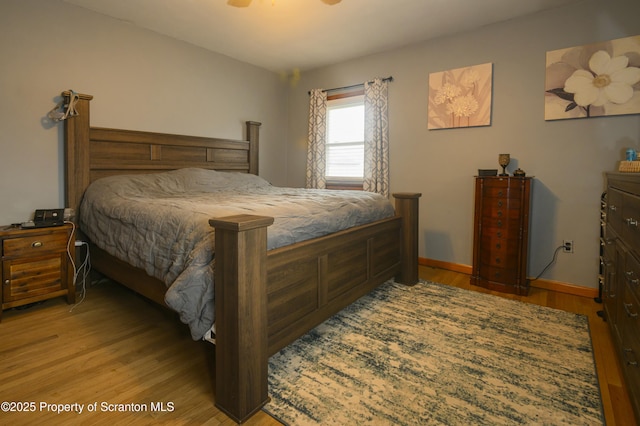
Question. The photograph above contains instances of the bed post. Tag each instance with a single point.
(76, 148)
(241, 314)
(253, 136)
(407, 208)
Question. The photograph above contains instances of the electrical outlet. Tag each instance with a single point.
(567, 246)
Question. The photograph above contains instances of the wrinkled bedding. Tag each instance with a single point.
(160, 223)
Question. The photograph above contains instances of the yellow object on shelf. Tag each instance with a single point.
(629, 166)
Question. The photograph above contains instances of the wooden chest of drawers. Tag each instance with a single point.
(36, 265)
(621, 274)
(501, 229)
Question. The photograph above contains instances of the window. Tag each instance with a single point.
(345, 141)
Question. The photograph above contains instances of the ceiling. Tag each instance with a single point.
(285, 35)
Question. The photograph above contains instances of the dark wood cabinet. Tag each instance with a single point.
(501, 230)
(620, 263)
(36, 265)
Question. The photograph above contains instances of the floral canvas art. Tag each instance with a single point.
(593, 80)
(460, 97)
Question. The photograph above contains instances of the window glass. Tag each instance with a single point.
(345, 138)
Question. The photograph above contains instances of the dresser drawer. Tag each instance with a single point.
(497, 252)
(503, 191)
(632, 274)
(497, 274)
(631, 219)
(614, 210)
(631, 342)
(501, 226)
(34, 245)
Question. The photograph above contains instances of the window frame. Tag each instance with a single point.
(345, 183)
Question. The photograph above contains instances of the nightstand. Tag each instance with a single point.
(36, 265)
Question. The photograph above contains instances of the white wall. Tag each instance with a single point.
(566, 157)
(140, 80)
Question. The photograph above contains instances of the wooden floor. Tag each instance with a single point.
(126, 361)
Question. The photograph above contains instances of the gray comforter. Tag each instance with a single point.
(160, 223)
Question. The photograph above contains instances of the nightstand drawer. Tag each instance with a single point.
(34, 245)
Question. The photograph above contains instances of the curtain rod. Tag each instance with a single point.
(390, 78)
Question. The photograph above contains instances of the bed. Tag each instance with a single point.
(264, 297)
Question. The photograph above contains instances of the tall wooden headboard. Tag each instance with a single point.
(94, 152)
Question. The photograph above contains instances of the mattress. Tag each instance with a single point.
(160, 223)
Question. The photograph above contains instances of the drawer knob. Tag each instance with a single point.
(7, 282)
(36, 244)
(632, 222)
(612, 208)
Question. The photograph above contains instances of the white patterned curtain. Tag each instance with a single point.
(316, 158)
(376, 137)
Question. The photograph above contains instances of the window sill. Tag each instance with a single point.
(345, 185)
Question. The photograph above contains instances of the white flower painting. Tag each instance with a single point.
(460, 97)
(593, 80)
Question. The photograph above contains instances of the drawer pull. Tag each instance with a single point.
(608, 241)
(632, 222)
(630, 274)
(612, 208)
(36, 244)
(500, 203)
(500, 193)
(631, 363)
(629, 313)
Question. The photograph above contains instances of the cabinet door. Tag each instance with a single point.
(32, 277)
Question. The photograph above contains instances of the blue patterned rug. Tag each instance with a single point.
(436, 354)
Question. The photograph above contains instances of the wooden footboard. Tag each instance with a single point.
(267, 299)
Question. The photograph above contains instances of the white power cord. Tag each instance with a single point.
(84, 267)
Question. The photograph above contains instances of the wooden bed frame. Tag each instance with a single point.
(264, 299)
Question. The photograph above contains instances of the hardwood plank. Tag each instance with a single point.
(115, 347)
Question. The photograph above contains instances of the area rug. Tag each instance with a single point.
(436, 354)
